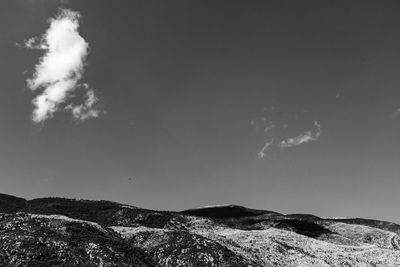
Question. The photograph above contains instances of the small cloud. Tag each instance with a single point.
(273, 125)
(263, 152)
(303, 138)
(60, 69)
(85, 111)
(33, 43)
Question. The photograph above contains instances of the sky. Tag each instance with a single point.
(290, 106)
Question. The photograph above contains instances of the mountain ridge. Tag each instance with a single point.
(68, 232)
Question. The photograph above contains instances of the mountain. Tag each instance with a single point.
(69, 232)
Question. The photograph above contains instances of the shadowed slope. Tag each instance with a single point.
(226, 211)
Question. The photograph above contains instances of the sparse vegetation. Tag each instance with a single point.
(69, 232)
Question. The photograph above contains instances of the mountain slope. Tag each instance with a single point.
(68, 232)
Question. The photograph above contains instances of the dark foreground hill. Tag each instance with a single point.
(68, 232)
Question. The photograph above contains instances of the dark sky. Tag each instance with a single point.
(187, 89)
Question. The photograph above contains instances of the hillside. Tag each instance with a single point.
(68, 232)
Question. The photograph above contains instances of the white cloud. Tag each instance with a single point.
(303, 138)
(85, 111)
(263, 152)
(273, 126)
(60, 69)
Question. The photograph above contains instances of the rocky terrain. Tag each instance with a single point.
(68, 232)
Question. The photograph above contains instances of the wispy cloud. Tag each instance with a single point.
(305, 137)
(59, 71)
(263, 152)
(269, 127)
(276, 126)
(85, 111)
